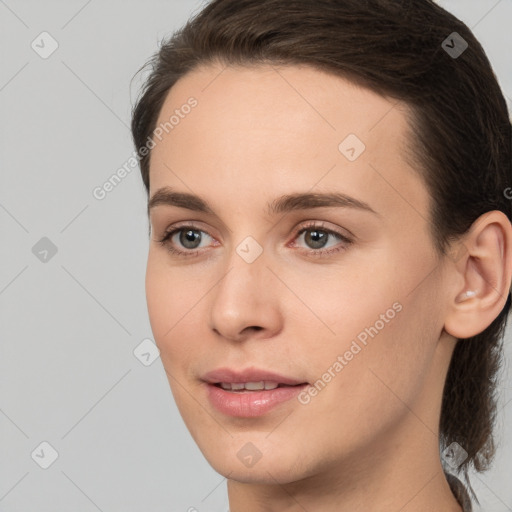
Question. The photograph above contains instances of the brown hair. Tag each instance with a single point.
(461, 138)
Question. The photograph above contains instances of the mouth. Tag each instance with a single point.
(240, 387)
(253, 379)
(250, 393)
(251, 403)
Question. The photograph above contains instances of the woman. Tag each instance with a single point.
(330, 263)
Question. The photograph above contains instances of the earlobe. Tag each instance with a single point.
(486, 271)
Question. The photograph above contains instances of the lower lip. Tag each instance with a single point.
(250, 404)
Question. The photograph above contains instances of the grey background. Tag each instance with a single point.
(70, 324)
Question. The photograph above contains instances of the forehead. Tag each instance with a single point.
(267, 128)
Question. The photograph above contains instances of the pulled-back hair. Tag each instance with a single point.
(461, 132)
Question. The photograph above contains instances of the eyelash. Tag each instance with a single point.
(311, 226)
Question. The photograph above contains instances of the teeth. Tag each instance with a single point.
(250, 386)
(254, 386)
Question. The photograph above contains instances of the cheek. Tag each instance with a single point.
(401, 364)
(159, 298)
(170, 301)
(378, 356)
(369, 391)
(170, 298)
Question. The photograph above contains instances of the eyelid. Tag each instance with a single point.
(323, 226)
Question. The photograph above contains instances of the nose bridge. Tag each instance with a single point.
(246, 266)
(243, 296)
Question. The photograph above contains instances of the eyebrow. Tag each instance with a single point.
(286, 203)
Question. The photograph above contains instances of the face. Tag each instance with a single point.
(337, 302)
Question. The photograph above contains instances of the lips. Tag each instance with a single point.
(229, 376)
(249, 393)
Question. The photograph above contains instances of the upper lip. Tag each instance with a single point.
(229, 375)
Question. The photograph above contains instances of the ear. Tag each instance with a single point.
(483, 273)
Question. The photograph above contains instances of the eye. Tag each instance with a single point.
(189, 237)
(316, 236)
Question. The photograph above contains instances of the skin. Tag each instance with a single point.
(369, 440)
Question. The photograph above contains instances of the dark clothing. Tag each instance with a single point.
(460, 492)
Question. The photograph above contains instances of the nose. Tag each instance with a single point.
(245, 302)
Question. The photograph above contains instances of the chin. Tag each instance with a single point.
(261, 475)
(244, 462)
